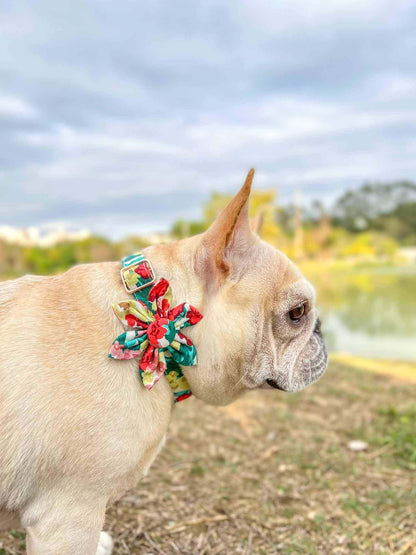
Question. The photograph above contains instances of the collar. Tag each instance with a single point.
(153, 328)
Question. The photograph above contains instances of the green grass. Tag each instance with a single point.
(396, 427)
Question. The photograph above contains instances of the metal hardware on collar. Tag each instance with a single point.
(136, 264)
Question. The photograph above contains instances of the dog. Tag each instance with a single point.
(79, 429)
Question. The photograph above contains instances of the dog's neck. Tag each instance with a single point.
(176, 263)
(183, 264)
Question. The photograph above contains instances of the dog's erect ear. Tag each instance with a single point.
(257, 222)
(230, 234)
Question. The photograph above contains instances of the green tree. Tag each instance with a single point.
(387, 207)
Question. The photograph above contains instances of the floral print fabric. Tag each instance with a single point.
(137, 275)
(153, 335)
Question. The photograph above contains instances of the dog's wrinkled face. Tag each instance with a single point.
(260, 326)
(285, 348)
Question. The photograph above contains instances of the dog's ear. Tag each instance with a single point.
(229, 236)
(257, 222)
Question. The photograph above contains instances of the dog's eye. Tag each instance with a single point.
(297, 313)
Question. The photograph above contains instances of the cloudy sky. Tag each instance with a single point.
(123, 116)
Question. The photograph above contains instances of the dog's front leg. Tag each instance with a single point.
(66, 525)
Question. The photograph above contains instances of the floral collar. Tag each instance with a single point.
(153, 328)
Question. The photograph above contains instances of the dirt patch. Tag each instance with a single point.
(272, 474)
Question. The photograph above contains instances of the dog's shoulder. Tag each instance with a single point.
(97, 282)
(103, 271)
(100, 282)
(9, 289)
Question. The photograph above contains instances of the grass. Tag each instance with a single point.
(272, 474)
(399, 369)
(397, 429)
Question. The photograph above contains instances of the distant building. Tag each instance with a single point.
(41, 237)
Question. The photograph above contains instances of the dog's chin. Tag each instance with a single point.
(275, 385)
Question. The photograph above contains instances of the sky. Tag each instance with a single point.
(122, 117)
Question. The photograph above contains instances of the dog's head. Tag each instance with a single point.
(260, 327)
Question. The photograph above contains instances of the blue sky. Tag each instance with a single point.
(123, 116)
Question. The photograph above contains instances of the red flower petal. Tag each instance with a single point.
(147, 357)
(174, 312)
(164, 308)
(134, 322)
(158, 290)
(193, 315)
(186, 339)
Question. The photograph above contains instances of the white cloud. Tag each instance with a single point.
(16, 108)
(396, 87)
(67, 139)
(143, 102)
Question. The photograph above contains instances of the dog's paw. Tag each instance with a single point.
(105, 545)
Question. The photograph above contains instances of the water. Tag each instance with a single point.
(369, 312)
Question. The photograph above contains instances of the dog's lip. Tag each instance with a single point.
(274, 384)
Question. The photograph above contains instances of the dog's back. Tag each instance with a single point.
(64, 404)
(9, 289)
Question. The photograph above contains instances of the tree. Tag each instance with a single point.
(368, 206)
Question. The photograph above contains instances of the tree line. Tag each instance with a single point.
(373, 220)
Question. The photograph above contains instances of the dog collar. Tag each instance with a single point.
(153, 328)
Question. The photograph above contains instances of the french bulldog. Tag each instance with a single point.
(79, 429)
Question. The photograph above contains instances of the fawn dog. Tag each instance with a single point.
(79, 429)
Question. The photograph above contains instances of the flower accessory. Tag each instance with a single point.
(153, 329)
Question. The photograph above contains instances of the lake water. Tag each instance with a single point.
(368, 312)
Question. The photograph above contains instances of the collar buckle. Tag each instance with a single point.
(137, 276)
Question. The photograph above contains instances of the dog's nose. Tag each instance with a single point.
(317, 328)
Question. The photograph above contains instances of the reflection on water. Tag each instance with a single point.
(369, 312)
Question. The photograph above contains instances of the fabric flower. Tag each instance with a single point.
(154, 332)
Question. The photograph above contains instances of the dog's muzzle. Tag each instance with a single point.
(310, 365)
(274, 384)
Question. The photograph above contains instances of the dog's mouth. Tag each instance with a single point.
(274, 384)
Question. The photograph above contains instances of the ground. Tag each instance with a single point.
(273, 474)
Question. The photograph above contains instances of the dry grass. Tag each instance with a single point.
(273, 474)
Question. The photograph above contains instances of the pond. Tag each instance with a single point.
(369, 312)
